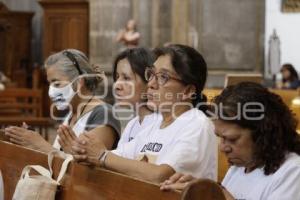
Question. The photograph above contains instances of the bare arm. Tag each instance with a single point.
(132, 37)
(139, 169)
(120, 36)
(103, 133)
(28, 138)
(90, 151)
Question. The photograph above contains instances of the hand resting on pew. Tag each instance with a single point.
(94, 153)
(88, 150)
(181, 181)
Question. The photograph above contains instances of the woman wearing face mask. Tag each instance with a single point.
(73, 83)
(130, 89)
(170, 145)
(259, 138)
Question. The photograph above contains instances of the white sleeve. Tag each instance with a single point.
(288, 187)
(194, 152)
(126, 133)
(127, 149)
(228, 176)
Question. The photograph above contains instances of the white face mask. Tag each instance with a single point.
(61, 97)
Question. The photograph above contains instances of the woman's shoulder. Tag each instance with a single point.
(102, 108)
(152, 117)
(231, 172)
(294, 84)
(103, 114)
(131, 122)
(196, 117)
(292, 162)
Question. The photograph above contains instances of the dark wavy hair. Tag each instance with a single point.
(190, 67)
(139, 59)
(274, 135)
(293, 73)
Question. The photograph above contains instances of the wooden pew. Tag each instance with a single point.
(27, 101)
(223, 165)
(83, 182)
(18, 105)
(286, 95)
(211, 93)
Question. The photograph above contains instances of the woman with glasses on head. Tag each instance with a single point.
(130, 87)
(258, 137)
(183, 141)
(73, 85)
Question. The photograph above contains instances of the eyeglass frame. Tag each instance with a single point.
(74, 61)
(156, 77)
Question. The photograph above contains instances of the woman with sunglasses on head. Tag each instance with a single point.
(73, 85)
(258, 136)
(130, 88)
(170, 145)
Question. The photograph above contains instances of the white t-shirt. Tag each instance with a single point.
(1, 187)
(284, 184)
(188, 145)
(134, 127)
(78, 128)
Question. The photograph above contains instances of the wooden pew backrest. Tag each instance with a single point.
(233, 79)
(83, 182)
(21, 101)
(205, 188)
(286, 95)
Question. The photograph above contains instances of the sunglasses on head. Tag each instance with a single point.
(71, 57)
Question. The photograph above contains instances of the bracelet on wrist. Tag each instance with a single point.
(102, 158)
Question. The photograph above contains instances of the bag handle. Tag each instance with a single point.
(68, 158)
(41, 170)
(64, 167)
(50, 159)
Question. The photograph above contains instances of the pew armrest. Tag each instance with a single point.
(203, 189)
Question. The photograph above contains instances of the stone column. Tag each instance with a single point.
(180, 21)
(107, 17)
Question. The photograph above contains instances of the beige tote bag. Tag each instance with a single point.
(42, 186)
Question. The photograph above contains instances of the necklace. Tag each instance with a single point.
(81, 112)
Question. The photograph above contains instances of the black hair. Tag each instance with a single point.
(294, 75)
(190, 67)
(138, 58)
(274, 135)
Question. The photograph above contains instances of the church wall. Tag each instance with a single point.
(287, 26)
(230, 34)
